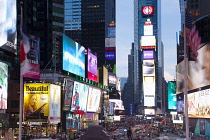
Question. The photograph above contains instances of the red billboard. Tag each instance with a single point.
(147, 10)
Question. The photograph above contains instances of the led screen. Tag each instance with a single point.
(93, 99)
(149, 90)
(147, 10)
(73, 57)
(111, 31)
(148, 30)
(36, 101)
(172, 95)
(180, 103)
(3, 85)
(55, 101)
(118, 104)
(112, 79)
(110, 55)
(8, 21)
(68, 94)
(148, 54)
(148, 41)
(79, 98)
(92, 66)
(110, 42)
(148, 68)
(198, 104)
(149, 111)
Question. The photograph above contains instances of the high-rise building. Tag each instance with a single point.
(147, 10)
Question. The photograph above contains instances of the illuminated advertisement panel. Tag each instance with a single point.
(149, 90)
(172, 95)
(92, 66)
(147, 10)
(110, 42)
(148, 54)
(105, 76)
(148, 68)
(111, 31)
(110, 55)
(148, 30)
(36, 101)
(79, 98)
(149, 111)
(180, 102)
(198, 104)
(68, 94)
(93, 99)
(112, 79)
(3, 85)
(148, 41)
(55, 101)
(8, 21)
(118, 104)
(30, 56)
(73, 57)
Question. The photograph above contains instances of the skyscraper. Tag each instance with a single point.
(147, 10)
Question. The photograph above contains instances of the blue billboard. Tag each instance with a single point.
(172, 95)
(73, 57)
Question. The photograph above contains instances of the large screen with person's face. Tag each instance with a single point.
(73, 57)
(92, 66)
(8, 21)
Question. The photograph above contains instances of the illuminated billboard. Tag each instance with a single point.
(36, 101)
(180, 102)
(149, 111)
(110, 42)
(55, 103)
(118, 104)
(148, 54)
(110, 55)
(111, 31)
(92, 66)
(93, 99)
(148, 41)
(148, 68)
(79, 98)
(30, 56)
(73, 57)
(149, 90)
(3, 85)
(148, 30)
(8, 22)
(148, 10)
(198, 104)
(112, 79)
(68, 94)
(172, 95)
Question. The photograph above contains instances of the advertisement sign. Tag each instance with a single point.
(118, 104)
(73, 57)
(3, 85)
(79, 98)
(68, 94)
(148, 41)
(111, 31)
(172, 95)
(147, 10)
(148, 30)
(180, 102)
(149, 90)
(148, 67)
(55, 101)
(198, 104)
(30, 56)
(110, 55)
(148, 54)
(36, 101)
(112, 79)
(8, 21)
(149, 111)
(110, 42)
(93, 99)
(92, 66)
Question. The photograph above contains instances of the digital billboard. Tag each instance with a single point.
(80, 96)
(148, 41)
(73, 57)
(30, 56)
(68, 94)
(148, 10)
(92, 66)
(148, 30)
(118, 104)
(198, 104)
(149, 90)
(55, 103)
(171, 95)
(110, 42)
(8, 22)
(148, 67)
(110, 55)
(180, 102)
(93, 99)
(3, 85)
(112, 79)
(149, 111)
(148, 54)
(111, 31)
(36, 101)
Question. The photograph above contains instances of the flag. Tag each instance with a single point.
(24, 49)
(193, 35)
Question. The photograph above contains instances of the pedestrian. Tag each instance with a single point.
(129, 133)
